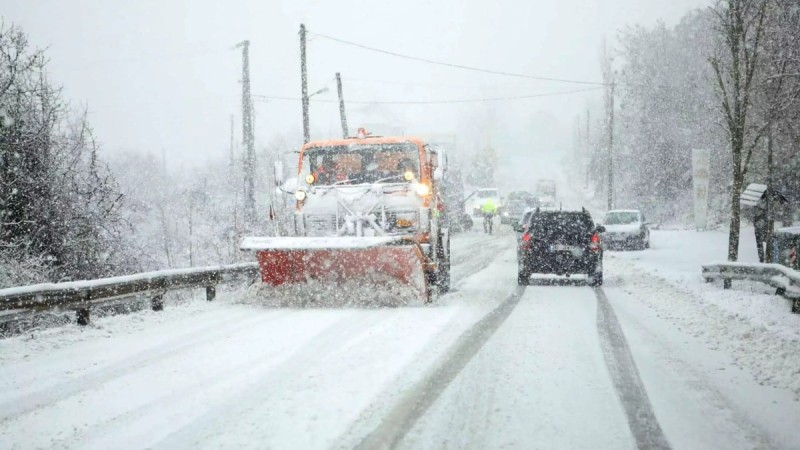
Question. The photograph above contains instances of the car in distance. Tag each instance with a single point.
(562, 243)
(546, 188)
(545, 202)
(626, 229)
(515, 205)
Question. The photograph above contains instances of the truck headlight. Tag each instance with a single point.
(403, 219)
(300, 195)
(422, 189)
(403, 223)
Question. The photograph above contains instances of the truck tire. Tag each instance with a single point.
(442, 278)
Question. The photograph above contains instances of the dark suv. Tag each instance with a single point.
(562, 243)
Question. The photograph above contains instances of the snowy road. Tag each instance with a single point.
(491, 365)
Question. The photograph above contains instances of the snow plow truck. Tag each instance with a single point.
(368, 213)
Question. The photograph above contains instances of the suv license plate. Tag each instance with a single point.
(563, 248)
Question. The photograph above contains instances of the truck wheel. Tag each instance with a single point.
(443, 270)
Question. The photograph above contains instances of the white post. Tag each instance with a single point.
(701, 165)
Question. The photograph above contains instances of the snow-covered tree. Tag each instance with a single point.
(59, 205)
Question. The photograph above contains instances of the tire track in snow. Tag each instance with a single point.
(241, 407)
(413, 405)
(478, 255)
(185, 342)
(631, 392)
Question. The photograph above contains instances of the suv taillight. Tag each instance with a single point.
(526, 241)
(594, 244)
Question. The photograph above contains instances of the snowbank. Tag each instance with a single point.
(748, 321)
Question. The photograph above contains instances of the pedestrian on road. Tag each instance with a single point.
(488, 209)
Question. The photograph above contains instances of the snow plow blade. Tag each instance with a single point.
(342, 262)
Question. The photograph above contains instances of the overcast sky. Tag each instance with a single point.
(162, 73)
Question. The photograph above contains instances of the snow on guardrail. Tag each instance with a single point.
(785, 280)
(80, 294)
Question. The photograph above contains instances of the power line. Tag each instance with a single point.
(427, 84)
(431, 102)
(142, 57)
(458, 66)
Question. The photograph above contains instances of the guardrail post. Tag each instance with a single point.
(83, 316)
(796, 306)
(726, 284)
(211, 292)
(157, 302)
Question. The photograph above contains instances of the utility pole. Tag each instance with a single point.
(304, 83)
(770, 205)
(611, 146)
(247, 138)
(342, 114)
(587, 164)
(164, 162)
(577, 143)
(232, 151)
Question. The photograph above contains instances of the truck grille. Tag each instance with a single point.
(324, 225)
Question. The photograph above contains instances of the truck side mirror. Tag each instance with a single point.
(277, 169)
(441, 156)
(288, 186)
(600, 228)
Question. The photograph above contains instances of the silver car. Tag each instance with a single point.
(626, 229)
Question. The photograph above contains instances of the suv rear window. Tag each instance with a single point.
(561, 227)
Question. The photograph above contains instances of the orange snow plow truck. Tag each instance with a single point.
(368, 214)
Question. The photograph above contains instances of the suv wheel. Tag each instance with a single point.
(595, 278)
(523, 275)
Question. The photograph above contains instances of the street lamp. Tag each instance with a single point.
(306, 130)
(321, 91)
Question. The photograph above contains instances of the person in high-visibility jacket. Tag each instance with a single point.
(488, 209)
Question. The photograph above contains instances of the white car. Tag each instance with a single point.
(627, 229)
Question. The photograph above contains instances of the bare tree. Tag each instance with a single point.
(735, 64)
(609, 79)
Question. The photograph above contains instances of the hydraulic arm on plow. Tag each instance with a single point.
(368, 212)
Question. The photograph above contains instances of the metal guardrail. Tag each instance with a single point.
(785, 280)
(81, 295)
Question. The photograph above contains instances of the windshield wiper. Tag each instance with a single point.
(387, 179)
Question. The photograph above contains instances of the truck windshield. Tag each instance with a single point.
(361, 163)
